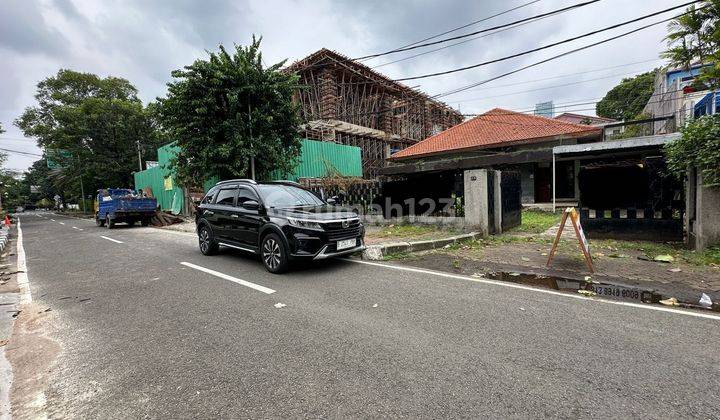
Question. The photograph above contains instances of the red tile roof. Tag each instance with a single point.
(495, 128)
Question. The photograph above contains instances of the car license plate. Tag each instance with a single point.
(347, 243)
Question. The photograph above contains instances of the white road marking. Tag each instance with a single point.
(76, 228)
(111, 239)
(52, 220)
(257, 287)
(62, 223)
(537, 290)
(22, 276)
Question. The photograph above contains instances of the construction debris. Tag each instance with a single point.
(163, 218)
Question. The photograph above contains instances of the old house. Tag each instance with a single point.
(502, 139)
(349, 103)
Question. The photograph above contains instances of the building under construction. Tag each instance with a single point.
(347, 102)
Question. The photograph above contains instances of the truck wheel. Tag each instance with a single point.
(98, 221)
(144, 222)
(110, 223)
(131, 223)
(207, 243)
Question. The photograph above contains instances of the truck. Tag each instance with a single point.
(122, 205)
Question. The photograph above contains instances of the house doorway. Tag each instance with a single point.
(543, 182)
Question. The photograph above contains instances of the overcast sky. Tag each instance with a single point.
(143, 41)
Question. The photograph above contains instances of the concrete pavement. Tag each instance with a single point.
(141, 334)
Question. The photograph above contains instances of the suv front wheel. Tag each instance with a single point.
(273, 254)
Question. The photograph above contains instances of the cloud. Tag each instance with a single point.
(143, 41)
(24, 29)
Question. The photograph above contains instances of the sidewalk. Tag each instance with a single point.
(9, 309)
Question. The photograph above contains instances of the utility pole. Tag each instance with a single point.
(252, 157)
(139, 156)
(82, 192)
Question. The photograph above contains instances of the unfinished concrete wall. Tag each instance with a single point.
(707, 215)
(476, 199)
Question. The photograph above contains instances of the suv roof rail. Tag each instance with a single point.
(284, 181)
(232, 181)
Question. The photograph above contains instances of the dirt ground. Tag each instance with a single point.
(612, 263)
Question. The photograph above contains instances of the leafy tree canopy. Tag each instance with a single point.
(698, 147)
(227, 109)
(627, 100)
(97, 122)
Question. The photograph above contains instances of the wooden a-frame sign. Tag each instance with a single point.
(584, 245)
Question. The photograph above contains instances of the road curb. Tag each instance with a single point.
(379, 252)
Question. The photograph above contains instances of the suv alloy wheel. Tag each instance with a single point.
(273, 254)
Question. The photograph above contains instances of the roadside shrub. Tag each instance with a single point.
(698, 147)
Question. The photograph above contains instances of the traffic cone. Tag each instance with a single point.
(7, 221)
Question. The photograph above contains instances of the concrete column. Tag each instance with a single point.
(707, 215)
(476, 199)
(577, 179)
(498, 203)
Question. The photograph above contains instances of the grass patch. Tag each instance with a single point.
(496, 240)
(710, 256)
(397, 256)
(535, 221)
(403, 231)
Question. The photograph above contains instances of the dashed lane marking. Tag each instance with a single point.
(112, 240)
(76, 228)
(245, 283)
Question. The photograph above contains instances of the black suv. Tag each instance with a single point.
(277, 220)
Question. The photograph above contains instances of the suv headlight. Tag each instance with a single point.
(304, 224)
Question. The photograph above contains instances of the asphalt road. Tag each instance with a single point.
(143, 335)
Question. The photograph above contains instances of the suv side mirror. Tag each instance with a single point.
(331, 201)
(250, 205)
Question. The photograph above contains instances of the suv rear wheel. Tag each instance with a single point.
(273, 253)
(206, 241)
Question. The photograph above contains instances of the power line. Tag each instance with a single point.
(561, 10)
(572, 74)
(20, 152)
(466, 25)
(16, 139)
(594, 44)
(554, 44)
(546, 87)
(459, 43)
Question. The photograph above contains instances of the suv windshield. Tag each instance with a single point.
(279, 196)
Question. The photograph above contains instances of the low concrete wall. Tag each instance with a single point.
(379, 252)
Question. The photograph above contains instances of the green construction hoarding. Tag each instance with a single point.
(315, 159)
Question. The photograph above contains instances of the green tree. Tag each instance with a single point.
(39, 175)
(695, 37)
(698, 147)
(627, 100)
(97, 121)
(229, 109)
